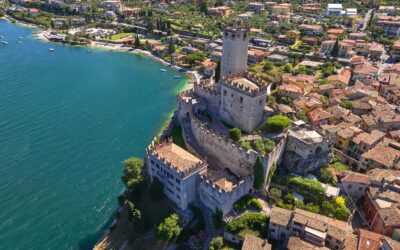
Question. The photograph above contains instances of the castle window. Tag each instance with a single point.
(231, 95)
(152, 162)
(158, 166)
(177, 181)
(260, 102)
(241, 108)
(224, 92)
(226, 33)
(233, 36)
(241, 100)
(244, 36)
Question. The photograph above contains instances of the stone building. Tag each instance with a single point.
(176, 169)
(315, 229)
(306, 150)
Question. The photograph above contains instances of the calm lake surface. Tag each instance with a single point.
(68, 119)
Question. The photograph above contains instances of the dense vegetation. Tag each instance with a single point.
(253, 223)
(246, 202)
(277, 123)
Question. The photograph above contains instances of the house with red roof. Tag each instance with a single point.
(319, 117)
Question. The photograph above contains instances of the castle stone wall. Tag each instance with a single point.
(241, 110)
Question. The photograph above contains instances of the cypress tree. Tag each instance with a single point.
(218, 72)
(335, 49)
(137, 41)
(258, 173)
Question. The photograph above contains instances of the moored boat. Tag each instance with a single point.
(163, 70)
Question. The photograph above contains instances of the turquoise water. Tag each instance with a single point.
(67, 120)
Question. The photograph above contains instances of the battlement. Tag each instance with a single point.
(153, 149)
(247, 83)
(205, 88)
(209, 183)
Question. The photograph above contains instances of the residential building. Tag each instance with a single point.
(385, 154)
(252, 242)
(334, 9)
(390, 24)
(256, 7)
(315, 229)
(221, 11)
(354, 185)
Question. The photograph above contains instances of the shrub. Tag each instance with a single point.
(268, 65)
(256, 204)
(278, 123)
(274, 192)
(342, 213)
(339, 166)
(245, 144)
(325, 175)
(216, 244)
(169, 228)
(340, 201)
(314, 208)
(256, 223)
(235, 134)
(300, 183)
(132, 171)
(271, 98)
(347, 104)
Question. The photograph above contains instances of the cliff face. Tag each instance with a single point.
(116, 238)
(302, 166)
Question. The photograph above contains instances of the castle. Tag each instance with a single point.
(214, 169)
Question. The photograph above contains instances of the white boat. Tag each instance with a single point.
(177, 76)
(163, 70)
(4, 42)
(51, 49)
(20, 37)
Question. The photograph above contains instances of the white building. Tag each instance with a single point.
(334, 9)
(352, 12)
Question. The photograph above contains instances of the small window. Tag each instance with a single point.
(241, 100)
(177, 181)
(152, 162)
(231, 95)
(349, 186)
(260, 102)
(224, 92)
(241, 108)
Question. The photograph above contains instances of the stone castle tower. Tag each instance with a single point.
(234, 51)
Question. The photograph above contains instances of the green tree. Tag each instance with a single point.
(134, 213)
(268, 65)
(171, 47)
(347, 104)
(137, 41)
(340, 201)
(271, 98)
(193, 58)
(216, 244)
(218, 71)
(235, 134)
(335, 49)
(258, 174)
(169, 228)
(325, 175)
(342, 213)
(277, 123)
(287, 68)
(217, 219)
(132, 171)
(327, 208)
